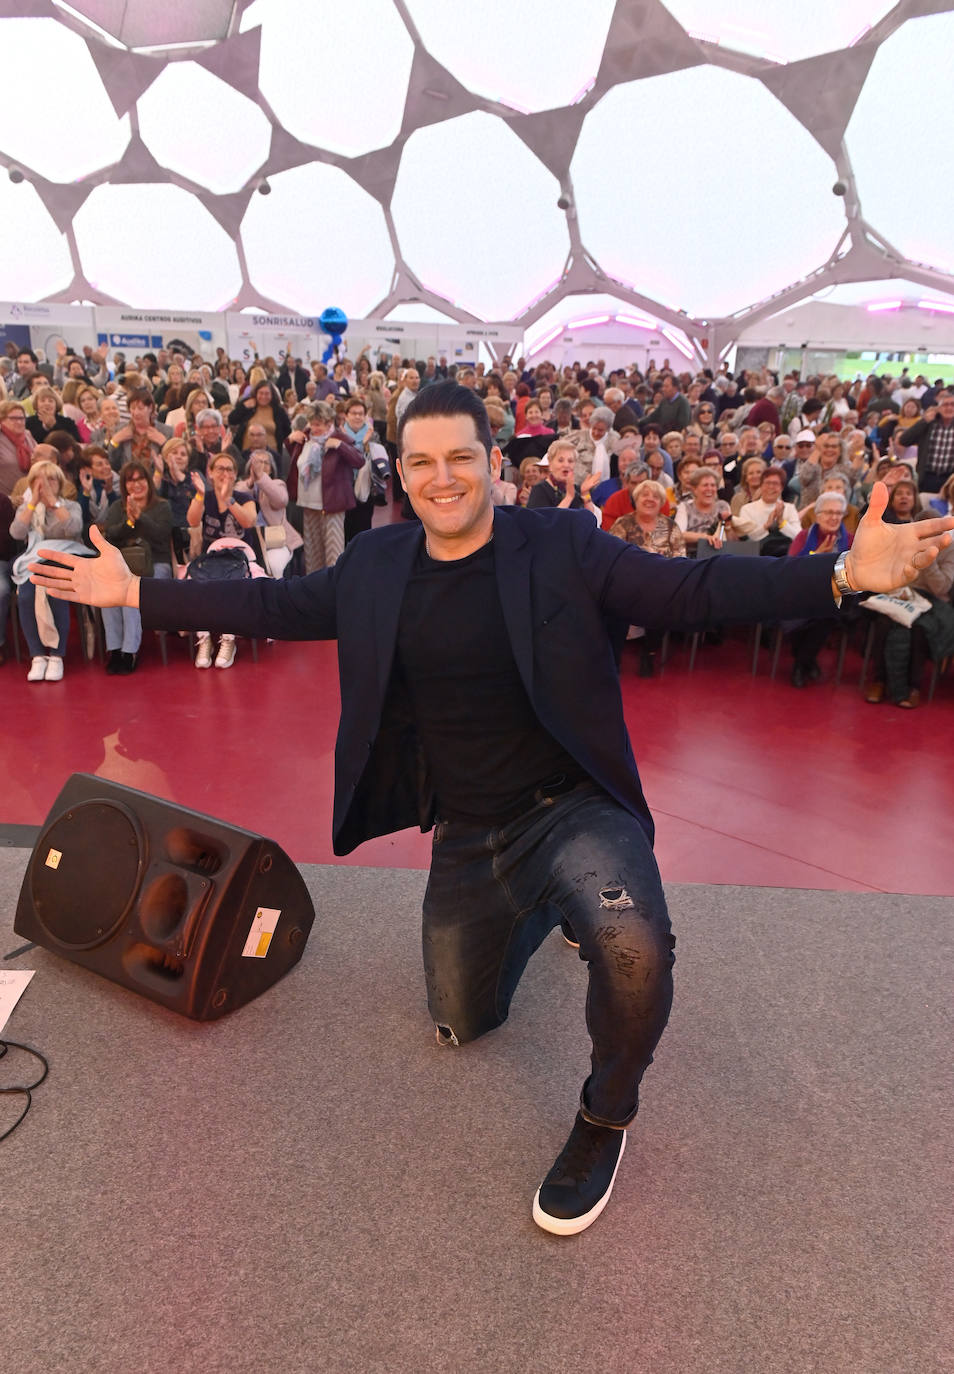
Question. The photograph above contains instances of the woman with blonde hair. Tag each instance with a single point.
(750, 480)
(44, 517)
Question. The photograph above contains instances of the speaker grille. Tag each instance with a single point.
(85, 872)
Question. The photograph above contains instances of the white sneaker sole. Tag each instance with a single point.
(571, 1226)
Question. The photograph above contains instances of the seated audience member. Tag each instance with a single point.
(943, 503)
(750, 482)
(684, 469)
(771, 521)
(533, 421)
(262, 408)
(257, 438)
(44, 516)
(222, 513)
(648, 528)
(606, 441)
(16, 445)
(72, 392)
(501, 423)
(271, 496)
(325, 466)
(210, 437)
(48, 415)
(530, 475)
(899, 652)
(143, 437)
(702, 515)
(558, 488)
(97, 485)
(903, 498)
(835, 481)
(7, 547)
(110, 423)
(826, 534)
(672, 444)
(810, 471)
(141, 521)
(623, 502)
(625, 456)
(173, 482)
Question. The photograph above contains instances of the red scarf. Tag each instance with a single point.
(23, 443)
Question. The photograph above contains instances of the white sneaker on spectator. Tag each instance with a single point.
(226, 655)
(37, 670)
(54, 669)
(203, 658)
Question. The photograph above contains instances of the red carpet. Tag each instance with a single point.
(750, 781)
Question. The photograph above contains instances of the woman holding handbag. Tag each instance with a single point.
(140, 525)
(279, 537)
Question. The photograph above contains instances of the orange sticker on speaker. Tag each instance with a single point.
(53, 858)
(260, 934)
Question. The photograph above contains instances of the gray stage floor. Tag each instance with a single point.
(313, 1185)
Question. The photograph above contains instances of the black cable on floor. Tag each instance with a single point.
(27, 1091)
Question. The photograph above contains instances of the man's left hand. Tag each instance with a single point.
(884, 557)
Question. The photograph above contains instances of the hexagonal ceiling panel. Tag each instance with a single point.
(335, 75)
(153, 26)
(191, 264)
(318, 240)
(914, 66)
(202, 128)
(532, 56)
(459, 186)
(48, 266)
(782, 33)
(695, 233)
(48, 78)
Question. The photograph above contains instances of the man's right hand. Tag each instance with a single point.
(102, 581)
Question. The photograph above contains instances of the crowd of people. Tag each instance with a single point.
(201, 467)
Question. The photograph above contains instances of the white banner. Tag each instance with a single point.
(142, 331)
(273, 336)
(43, 327)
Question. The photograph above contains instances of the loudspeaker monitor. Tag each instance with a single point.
(187, 910)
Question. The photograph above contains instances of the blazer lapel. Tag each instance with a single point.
(512, 561)
(393, 571)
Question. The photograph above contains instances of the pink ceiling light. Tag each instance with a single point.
(877, 306)
(936, 305)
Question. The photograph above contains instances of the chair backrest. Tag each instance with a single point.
(739, 548)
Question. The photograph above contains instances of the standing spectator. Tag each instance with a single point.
(44, 516)
(934, 437)
(673, 411)
(6, 561)
(271, 496)
(359, 432)
(142, 519)
(326, 465)
(222, 513)
(293, 375)
(21, 385)
(263, 408)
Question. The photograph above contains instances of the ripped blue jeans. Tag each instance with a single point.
(493, 897)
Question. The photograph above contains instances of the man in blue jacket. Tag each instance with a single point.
(481, 698)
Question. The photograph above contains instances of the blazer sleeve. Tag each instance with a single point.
(683, 594)
(260, 607)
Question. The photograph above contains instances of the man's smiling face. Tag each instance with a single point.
(448, 477)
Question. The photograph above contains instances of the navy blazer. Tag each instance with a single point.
(565, 587)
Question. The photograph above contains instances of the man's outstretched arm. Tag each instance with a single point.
(262, 608)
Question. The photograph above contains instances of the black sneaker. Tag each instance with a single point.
(578, 1187)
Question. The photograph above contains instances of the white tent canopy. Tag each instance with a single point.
(674, 159)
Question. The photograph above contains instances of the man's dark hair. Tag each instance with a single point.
(447, 398)
(28, 353)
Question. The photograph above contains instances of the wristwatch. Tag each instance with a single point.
(840, 577)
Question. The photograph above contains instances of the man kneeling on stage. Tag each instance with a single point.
(480, 697)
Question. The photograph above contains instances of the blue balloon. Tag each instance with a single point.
(332, 321)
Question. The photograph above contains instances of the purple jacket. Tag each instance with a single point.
(337, 475)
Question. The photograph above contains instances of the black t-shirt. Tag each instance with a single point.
(484, 746)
